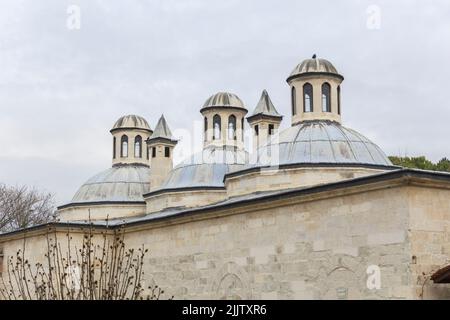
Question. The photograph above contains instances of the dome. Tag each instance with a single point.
(224, 99)
(322, 142)
(314, 65)
(206, 168)
(125, 183)
(131, 121)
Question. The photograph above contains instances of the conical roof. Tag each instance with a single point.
(265, 106)
(162, 130)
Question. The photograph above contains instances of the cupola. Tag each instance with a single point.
(129, 135)
(315, 91)
(223, 116)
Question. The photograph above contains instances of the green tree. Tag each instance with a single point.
(443, 165)
(421, 163)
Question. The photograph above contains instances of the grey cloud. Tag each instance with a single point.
(61, 90)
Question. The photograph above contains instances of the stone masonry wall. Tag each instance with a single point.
(430, 239)
(321, 249)
(313, 250)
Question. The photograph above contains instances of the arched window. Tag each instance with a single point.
(307, 98)
(242, 129)
(124, 146)
(326, 103)
(293, 101)
(339, 99)
(206, 129)
(114, 147)
(232, 127)
(138, 147)
(217, 127)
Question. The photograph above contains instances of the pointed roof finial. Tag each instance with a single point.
(162, 130)
(265, 107)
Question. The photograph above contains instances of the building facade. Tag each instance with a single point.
(314, 211)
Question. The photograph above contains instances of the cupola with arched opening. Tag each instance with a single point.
(315, 91)
(129, 135)
(223, 120)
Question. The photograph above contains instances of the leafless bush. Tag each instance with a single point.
(101, 268)
(21, 207)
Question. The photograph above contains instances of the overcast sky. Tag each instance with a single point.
(62, 89)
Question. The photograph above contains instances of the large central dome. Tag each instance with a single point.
(321, 142)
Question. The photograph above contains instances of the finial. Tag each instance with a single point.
(314, 56)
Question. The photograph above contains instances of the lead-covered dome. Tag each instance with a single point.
(314, 66)
(131, 121)
(122, 183)
(328, 142)
(223, 99)
(206, 168)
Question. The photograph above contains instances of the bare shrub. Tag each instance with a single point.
(100, 268)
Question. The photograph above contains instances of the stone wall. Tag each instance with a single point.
(303, 247)
(310, 250)
(101, 211)
(430, 239)
(185, 198)
(270, 179)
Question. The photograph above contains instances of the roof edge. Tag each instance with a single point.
(130, 128)
(221, 107)
(309, 165)
(262, 116)
(161, 139)
(97, 203)
(309, 74)
(182, 189)
(130, 164)
(405, 174)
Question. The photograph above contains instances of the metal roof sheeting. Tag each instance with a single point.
(162, 130)
(131, 121)
(265, 106)
(314, 65)
(120, 183)
(206, 168)
(224, 99)
(321, 142)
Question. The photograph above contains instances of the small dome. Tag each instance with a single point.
(131, 121)
(224, 99)
(322, 142)
(314, 65)
(206, 168)
(125, 183)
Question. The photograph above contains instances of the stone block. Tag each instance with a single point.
(319, 245)
(386, 238)
(351, 251)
